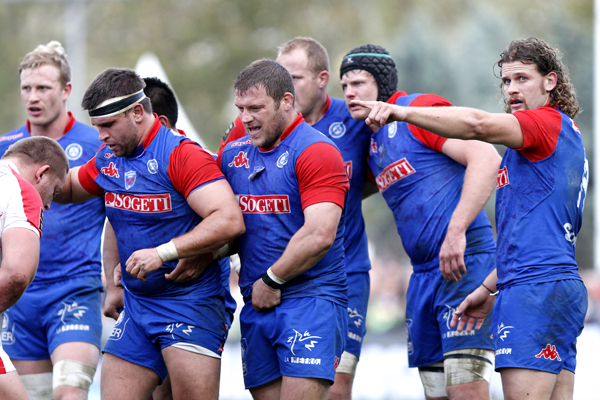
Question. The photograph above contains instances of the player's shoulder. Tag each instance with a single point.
(427, 100)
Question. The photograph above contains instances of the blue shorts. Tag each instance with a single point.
(50, 314)
(536, 326)
(431, 301)
(148, 325)
(301, 337)
(358, 300)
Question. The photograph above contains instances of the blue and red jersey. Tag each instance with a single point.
(352, 138)
(540, 195)
(145, 197)
(422, 186)
(273, 187)
(70, 244)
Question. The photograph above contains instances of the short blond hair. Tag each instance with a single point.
(318, 59)
(50, 54)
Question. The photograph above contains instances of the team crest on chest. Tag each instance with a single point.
(392, 129)
(129, 179)
(337, 130)
(241, 160)
(152, 166)
(283, 159)
(74, 151)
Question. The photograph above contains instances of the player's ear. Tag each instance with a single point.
(323, 79)
(287, 101)
(551, 80)
(40, 171)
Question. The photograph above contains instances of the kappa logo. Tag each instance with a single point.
(74, 151)
(393, 173)
(349, 169)
(111, 170)
(337, 130)
(152, 166)
(74, 309)
(549, 352)
(9, 137)
(502, 179)
(129, 179)
(283, 159)
(302, 337)
(144, 203)
(108, 155)
(241, 160)
(392, 129)
(372, 147)
(241, 143)
(336, 362)
(503, 330)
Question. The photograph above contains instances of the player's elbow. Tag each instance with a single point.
(236, 225)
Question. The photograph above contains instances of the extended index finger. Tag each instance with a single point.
(362, 103)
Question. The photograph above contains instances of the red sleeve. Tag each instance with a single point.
(87, 173)
(540, 128)
(186, 178)
(236, 131)
(32, 205)
(429, 139)
(322, 175)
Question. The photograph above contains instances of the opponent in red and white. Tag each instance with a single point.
(31, 172)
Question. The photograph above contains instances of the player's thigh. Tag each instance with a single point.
(358, 301)
(565, 384)
(83, 352)
(124, 380)
(304, 388)
(520, 383)
(193, 375)
(27, 367)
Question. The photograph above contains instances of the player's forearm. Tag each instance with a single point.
(303, 251)
(216, 230)
(110, 255)
(479, 183)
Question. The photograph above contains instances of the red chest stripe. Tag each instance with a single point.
(144, 203)
(269, 204)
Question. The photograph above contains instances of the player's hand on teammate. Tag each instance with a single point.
(189, 268)
(114, 300)
(381, 113)
(452, 261)
(473, 310)
(264, 297)
(142, 262)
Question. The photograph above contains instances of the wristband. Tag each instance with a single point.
(492, 293)
(221, 252)
(272, 281)
(167, 251)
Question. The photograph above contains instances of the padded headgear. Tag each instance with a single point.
(376, 60)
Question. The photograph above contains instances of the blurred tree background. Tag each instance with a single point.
(444, 47)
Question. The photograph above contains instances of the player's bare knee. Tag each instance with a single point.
(72, 373)
(468, 365)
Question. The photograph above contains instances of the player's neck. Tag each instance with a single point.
(318, 111)
(53, 130)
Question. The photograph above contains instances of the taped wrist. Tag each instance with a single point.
(272, 280)
(167, 252)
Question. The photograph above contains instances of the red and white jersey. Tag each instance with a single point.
(20, 204)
